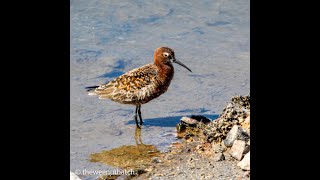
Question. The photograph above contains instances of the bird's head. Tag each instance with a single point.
(165, 55)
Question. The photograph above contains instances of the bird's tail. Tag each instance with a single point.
(90, 90)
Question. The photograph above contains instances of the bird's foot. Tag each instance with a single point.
(141, 121)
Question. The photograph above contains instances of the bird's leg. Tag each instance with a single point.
(135, 116)
(139, 112)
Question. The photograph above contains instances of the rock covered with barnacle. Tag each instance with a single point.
(237, 112)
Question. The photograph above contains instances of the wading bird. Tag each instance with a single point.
(142, 84)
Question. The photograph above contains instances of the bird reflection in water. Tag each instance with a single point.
(128, 156)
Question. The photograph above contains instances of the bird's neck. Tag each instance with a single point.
(166, 72)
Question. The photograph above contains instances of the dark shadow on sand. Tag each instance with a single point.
(171, 121)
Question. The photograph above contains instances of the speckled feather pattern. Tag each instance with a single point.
(137, 86)
(143, 84)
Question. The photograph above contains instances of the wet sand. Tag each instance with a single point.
(109, 38)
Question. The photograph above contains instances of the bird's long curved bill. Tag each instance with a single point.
(181, 64)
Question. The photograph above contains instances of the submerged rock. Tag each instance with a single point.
(245, 163)
(189, 121)
(201, 119)
(186, 122)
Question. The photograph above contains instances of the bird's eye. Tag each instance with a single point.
(165, 54)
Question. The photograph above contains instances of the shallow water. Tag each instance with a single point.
(109, 38)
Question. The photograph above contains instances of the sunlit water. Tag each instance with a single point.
(109, 38)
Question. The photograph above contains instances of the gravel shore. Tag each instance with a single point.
(218, 149)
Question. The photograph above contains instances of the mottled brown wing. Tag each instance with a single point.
(131, 86)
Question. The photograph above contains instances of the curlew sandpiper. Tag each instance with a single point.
(142, 84)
